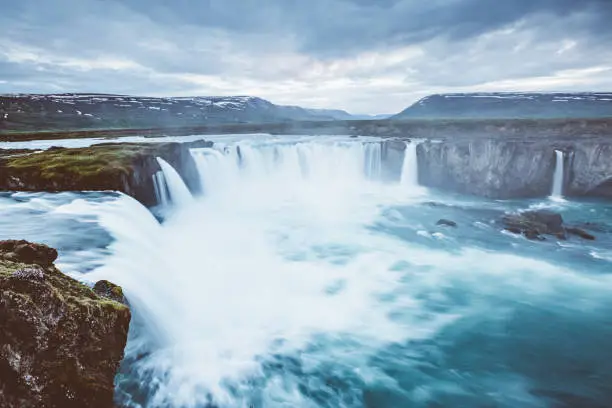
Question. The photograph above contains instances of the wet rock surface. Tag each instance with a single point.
(535, 224)
(446, 223)
(109, 290)
(61, 342)
(27, 252)
(581, 233)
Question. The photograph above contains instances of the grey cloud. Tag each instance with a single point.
(294, 50)
(339, 27)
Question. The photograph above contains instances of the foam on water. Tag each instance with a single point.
(299, 279)
(280, 258)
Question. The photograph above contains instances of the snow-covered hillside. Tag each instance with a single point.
(102, 110)
(512, 105)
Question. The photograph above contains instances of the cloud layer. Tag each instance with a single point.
(366, 56)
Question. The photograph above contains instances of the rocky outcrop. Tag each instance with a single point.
(580, 233)
(27, 252)
(61, 342)
(516, 168)
(535, 224)
(125, 167)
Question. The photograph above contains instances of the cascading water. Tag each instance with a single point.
(339, 165)
(161, 189)
(557, 187)
(179, 193)
(299, 280)
(410, 169)
(373, 160)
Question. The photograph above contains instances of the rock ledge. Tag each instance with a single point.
(61, 342)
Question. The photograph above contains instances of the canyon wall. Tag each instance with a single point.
(590, 171)
(517, 168)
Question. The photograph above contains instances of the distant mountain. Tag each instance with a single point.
(372, 117)
(511, 105)
(343, 115)
(72, 111)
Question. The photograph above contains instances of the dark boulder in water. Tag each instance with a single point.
(533, 235)
(534, 223)
(446, 223)
(514, 230)
(581, 233)
(61, 342)
(595, 226)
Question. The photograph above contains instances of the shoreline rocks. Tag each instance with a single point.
(61, 342)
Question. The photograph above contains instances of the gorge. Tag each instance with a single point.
(306, 204)
(493, 166)
(276, 270)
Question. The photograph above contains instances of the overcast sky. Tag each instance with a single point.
(365, 56)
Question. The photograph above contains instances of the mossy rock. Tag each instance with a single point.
(124, 167)
(62, 342)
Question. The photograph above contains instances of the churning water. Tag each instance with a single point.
(300, 279)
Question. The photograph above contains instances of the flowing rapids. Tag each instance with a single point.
(302, 278)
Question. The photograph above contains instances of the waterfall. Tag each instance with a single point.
(557, 188)
(217, 167)
(161, 188)
(179, 193)
(410, 169)
(373, 160)
(277, 251)
(338, 165)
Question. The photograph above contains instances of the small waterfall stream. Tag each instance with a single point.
(179, 193)
(161, 189)
(410, 169)
(373, 160)
(557, 187)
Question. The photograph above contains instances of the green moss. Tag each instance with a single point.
(111, 304)
(86, 162)
(7, 268)
(117, 291)
(70, 291)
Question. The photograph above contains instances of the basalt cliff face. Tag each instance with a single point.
(589, 169)
(504, 169)
(61, 342)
